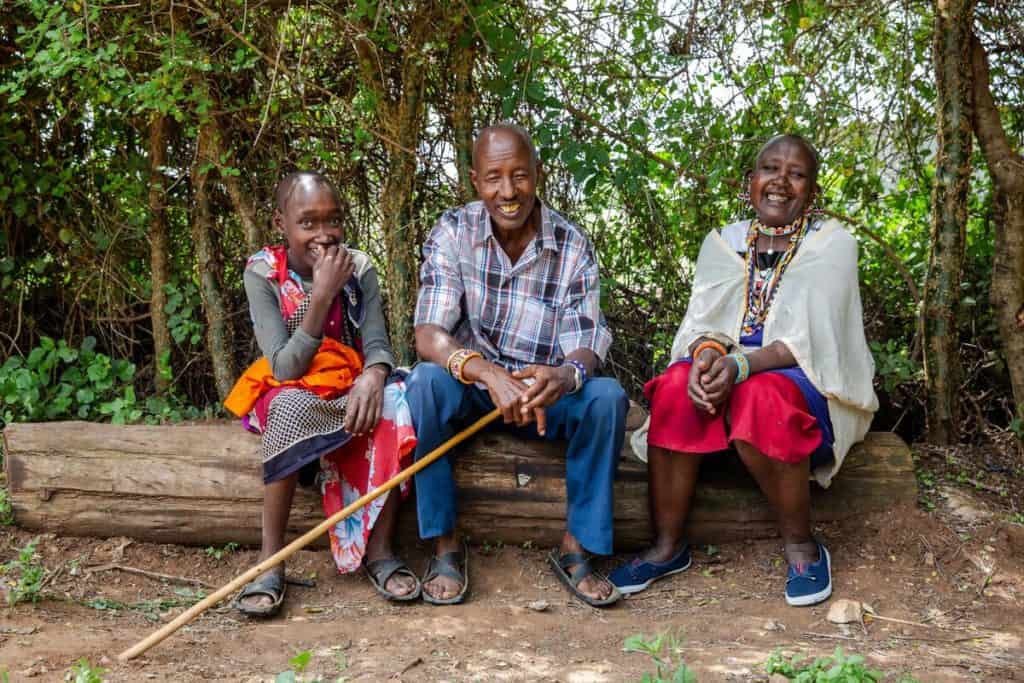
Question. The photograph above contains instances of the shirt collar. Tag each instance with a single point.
(545, 238)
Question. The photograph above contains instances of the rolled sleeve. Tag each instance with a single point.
(582, 325)
(441, 287)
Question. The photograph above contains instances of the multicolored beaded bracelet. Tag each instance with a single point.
(457, 363)
(742, 366)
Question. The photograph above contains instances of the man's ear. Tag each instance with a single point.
(277, 220)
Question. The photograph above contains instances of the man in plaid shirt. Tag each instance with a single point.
(509, 316)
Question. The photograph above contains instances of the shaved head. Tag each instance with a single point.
(812, 154)
(306, 179)
(483, 140)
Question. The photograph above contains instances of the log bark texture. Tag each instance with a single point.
(201, 484)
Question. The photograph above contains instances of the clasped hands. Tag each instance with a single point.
(523, 395)
(712, 377)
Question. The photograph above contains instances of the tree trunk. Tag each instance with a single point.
(159, 257)
(951, 48)
(1007, 170)
(246, 212)
(241, 201)
(464, 103)
(401, 118)
(218, 324)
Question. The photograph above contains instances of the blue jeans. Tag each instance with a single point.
(591, 420)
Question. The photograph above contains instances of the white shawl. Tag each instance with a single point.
(816, 313)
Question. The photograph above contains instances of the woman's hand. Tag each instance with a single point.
(719, 381)
(695, 385)
(366, 400)
(332, 270)
(550, 383)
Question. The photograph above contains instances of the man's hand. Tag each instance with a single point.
(505, 390)
(366, 400)
(719, 381)
(550, 383)
(695, 386)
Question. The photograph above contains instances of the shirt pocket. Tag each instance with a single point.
(537, 329)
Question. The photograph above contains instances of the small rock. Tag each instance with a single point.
(845, 612)
(773, 626)
(105, 660)
(929, 559)
(538, 605)
(778, 678)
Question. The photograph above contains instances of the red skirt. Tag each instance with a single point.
(768, 411)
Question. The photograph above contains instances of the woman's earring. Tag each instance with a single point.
(744, 195)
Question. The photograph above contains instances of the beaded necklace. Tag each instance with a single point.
(762, 284)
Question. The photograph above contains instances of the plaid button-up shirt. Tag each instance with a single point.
(537, 311)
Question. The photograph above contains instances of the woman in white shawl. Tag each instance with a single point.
(782, 371)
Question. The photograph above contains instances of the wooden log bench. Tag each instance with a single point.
(201, 484)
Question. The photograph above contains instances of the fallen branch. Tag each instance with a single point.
(170, 578)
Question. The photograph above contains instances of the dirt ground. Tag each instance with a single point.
(947, 587)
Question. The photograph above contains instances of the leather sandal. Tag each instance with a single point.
(381, 571)
(561, 563)
(453, 565)
(271, 585)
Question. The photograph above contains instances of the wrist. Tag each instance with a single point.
(378, 369)
(477, 369)
(568, 375)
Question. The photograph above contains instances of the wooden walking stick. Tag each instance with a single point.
(302, 541)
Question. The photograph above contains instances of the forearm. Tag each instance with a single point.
(434, 344)
(316, 316)
(775, 355)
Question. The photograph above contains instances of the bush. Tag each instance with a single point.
(58, 382)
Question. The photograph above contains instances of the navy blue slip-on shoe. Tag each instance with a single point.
(637, 575)
(809, 584)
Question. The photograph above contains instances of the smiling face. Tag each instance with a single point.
(504, 174)
(782, 184)
(310, 220)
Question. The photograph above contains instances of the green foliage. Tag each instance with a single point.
(183, 309)
(663, 649)
(85, 672)
(298, 663)
(837, 668)
(6, 509)
(55, 381)
(894, 366)
(218, 553)
(24, 575)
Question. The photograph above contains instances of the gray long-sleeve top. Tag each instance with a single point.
(290, 356)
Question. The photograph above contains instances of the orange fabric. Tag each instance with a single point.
(333, 370)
